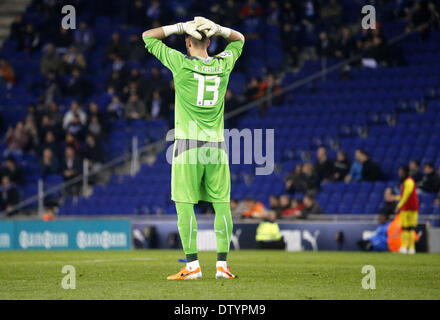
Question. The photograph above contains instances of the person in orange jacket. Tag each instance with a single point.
(253, 209)
(394, 234)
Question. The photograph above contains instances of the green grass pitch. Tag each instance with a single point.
(264, 275)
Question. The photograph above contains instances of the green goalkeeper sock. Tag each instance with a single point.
(223, 226)
(187, 225)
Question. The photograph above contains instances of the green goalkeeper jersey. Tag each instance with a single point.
(200, 86)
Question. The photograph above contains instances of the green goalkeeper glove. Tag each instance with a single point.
(188, 27)
(210, 28)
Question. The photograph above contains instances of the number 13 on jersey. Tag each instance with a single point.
(203, 86)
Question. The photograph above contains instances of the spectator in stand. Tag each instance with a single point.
(116, 82)
(136, 50)
(155, 82)
(295, 209)
(414, 171)
(72, 142)
(33, 113)
(50, 61)
(116, 47)
(252, 25)
(75, 109)
(155, 11)
(49, 163)
(75, 127)
(49, 214)
(311, 206)
(73, 60)
(78, 85)
(50, 143)
(434, 15)
(72, 167)
(9, 194)
(251, 8)
(267, 88)
(83, 37)
(95, 127)
(274, 203)
(135, 109)
(324, 47)
(46, 126)
(346, 45)
(17, 27)
(133, 89)
(55, 115)
(16, 139)
(237, 208)
(419, 16)
(389, 206)
(93, 154)
(302, 179)
(63, 40)
(116, 108)
(274, 13)
(331, 14)
(232, 13)
(310, 10)
(53, 88)
(323, 166)
(284, 203)
(12, 170)
(158, 107)
(253, 209)
(231, 101)
(7, 75)
(136, 16)
(437, 199)
(29, 39)
(136, 77)
(355, 174)
(430, 182)
(291, 44)
(292, 181)
(370, 170)
(32, 132)
(252, 89)
(309, 181)
(341, 166)
(118, 64)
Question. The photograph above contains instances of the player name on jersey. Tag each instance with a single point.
(209, 69)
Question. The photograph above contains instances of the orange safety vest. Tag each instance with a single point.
(394, 235)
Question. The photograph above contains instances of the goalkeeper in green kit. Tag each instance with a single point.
(200, 169)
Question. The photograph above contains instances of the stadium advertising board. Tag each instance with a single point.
(298, 236)
(6, 235)
(72, 235)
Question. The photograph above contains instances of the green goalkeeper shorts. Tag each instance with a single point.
(200, 172)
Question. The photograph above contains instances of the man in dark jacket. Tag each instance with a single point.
(9, 194)
(311, 206)
(324, 166)
(430, 182)
(370, 170)
(72, 167)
